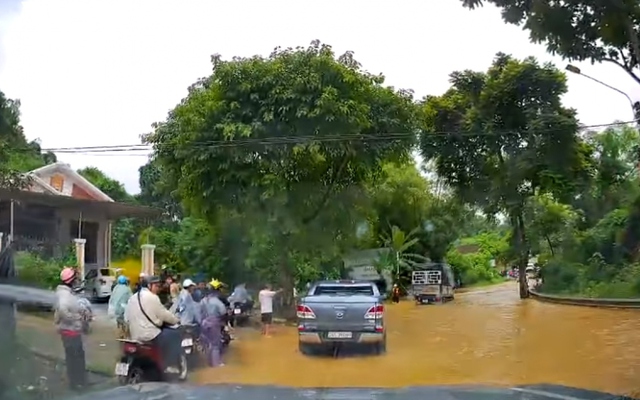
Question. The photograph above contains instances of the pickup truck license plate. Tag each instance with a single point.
(122, 369)
(340, 335)
(187, 342)
(237, 311)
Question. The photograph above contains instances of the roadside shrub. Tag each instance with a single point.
(36, 271)
(595, 279)
(472, 268)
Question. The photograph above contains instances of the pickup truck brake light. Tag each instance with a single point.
(305, 312)
(374, 312)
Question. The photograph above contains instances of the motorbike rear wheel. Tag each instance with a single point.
(135, 376)
(184, 368)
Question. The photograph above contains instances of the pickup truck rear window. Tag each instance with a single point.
(342, 290)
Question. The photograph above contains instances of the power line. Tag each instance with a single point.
(137, 150)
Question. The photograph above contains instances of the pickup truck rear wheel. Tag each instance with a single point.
(306, 349)
(381, 347)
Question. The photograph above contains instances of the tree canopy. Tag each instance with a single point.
(17, 155)
(598, 31)
(502, 136)
(279, 168)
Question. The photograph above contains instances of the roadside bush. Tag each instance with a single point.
(595, 279)
(473, 268)
(36, 271)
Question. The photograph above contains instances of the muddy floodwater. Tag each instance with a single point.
(483, 337)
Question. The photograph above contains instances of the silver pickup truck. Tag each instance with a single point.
(341, 312)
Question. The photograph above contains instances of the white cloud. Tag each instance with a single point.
(100, 72)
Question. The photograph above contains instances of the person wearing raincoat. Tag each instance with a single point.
(186, 307)
(214, 314)
(117, 304)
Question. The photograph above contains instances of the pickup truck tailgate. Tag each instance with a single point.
(346, 313)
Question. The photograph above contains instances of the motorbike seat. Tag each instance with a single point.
(137, 342)
(130, 341)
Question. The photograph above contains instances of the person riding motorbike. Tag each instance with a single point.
(142, 282)
(186, 308)
(117, 304)
(150, 321)
(70, 316)
(240, 296)
(214, 314)
(200, 292)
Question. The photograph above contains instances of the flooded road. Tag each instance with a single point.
(483, 337)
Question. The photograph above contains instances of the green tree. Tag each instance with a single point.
(286, 141)
(579, 30)
(156, 193)
(399, 260)
(549, 223)
(403, 197)
(499, 137)
(109, 186)
(614, 180)
(17, 155)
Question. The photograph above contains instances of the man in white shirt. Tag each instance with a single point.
(265, 296)
(149, 320)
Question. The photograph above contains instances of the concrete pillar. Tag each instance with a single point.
(1, 237)
(80, 242)
(147, 258)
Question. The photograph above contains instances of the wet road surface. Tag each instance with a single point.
(483, 337)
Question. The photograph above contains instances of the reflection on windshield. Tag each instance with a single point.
(344, 290)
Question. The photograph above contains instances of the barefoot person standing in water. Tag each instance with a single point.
(265, 297)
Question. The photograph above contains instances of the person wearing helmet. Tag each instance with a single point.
(117, 304)
(70, 315)
(214, 315)
(186, 308)
(217, 289)
(150, 321)
(142, 282)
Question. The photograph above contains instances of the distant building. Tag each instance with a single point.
(60, 205)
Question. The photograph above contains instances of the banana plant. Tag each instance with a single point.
(398, 242)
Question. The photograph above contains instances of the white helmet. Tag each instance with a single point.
(187, 283)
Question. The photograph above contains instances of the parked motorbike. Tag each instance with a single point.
(241, 312)
(142, 362)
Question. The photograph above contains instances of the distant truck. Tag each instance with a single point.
(433, 283)
(335, 313)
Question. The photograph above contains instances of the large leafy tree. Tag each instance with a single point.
(109, 186)
(579, 30)
(17, 155)
(155, 192)
(499, 137)
(287, 141)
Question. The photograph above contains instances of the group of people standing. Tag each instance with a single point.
(140, 315)
(148, 318)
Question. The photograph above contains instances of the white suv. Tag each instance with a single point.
(98, 283)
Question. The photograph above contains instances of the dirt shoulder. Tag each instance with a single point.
(39, 334)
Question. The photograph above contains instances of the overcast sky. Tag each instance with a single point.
(100, 72)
